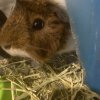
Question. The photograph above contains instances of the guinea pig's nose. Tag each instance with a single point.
(38, 24)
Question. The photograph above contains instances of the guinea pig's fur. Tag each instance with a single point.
(37, 29)
(3, 19)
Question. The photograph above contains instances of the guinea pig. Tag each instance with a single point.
(37, 29)
(3, 19)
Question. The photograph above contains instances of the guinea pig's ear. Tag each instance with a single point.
(60, 12)
(3, 18)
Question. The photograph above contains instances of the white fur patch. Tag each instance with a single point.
(16, 52)
(7, 6)
(70, 46)
(60, 2)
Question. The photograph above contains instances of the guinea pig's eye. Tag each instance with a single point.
(38, 24)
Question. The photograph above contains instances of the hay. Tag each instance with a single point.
(43, 82)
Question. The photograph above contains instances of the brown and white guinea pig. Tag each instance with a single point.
(37, 29)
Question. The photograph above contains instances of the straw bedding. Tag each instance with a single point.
(60, 78)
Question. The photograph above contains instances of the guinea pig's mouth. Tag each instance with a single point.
(13, 51)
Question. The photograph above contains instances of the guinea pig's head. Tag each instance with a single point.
(37, 29)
